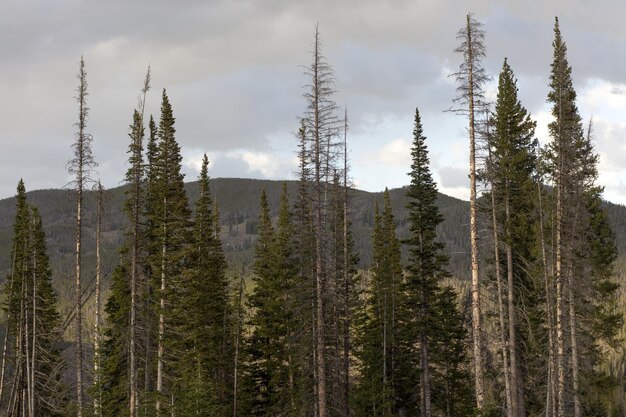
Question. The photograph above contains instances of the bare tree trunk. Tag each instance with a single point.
(27, 394)
(550, 390)
(319, 272)
(237, 335)
(475, 286)
(559, 299)
(516, 399)
(573, 326)
(573, 334)
(550, 393)
(346, 273)
(424, 377)
(34, 337)
(134, 390)
(160, 350)
(133, 401)
(80, 166)
(503, 340)
(97, 400)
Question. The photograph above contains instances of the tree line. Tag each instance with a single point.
(305, 332)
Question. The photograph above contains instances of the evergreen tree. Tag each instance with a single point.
(119, 370)
(421, 326)
(512, 177)
(379, 392)
(171, 226)
(31, 353)
(48, 366)
(209, 360)
(580, 225)
(261, 346)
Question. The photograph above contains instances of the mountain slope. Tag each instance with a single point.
(238, 205)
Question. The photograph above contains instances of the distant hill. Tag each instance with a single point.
(238, 204)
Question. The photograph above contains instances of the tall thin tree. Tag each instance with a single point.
(471, 78)
(80, 167)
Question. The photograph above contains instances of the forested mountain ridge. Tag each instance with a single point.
(237, 200)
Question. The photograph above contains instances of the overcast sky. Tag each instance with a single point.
(233, 72)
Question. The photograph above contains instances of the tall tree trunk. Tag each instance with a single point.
(80, 166)
(424, 377)
(573, 322)
(237, 336)
(346, 274)
(160, 350)
(550, 390)
(573, 335)
(319, 233)
(503, 340)
(516, 399)
(559, 297)
(134, 390)
(34, 337)
(97, 400)
(475, 286)
(133, 400)
(78, 300)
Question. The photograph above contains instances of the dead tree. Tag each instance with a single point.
(471, 78)
(80, 167)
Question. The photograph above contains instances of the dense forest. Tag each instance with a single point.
(233, 297)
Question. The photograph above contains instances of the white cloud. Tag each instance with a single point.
(395, 153)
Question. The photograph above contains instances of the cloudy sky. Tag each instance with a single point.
(233, 72)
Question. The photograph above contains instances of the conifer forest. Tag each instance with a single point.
(343, 303)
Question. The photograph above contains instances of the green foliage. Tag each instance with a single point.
(382, 363)
(33, 322)
(425, 301)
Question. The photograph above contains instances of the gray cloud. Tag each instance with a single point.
(233, 70)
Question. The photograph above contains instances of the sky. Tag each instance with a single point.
(233, 71)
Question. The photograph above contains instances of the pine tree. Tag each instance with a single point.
(172, 231)
(19, 254)
(424, 297)
(120, 347)
(565, 130)
(571, 163)
(209, 360)
(31, 355)
(266, 343)
(48, 366)
(304, 294)
(379, 391)
(150, 216)
(513, 166)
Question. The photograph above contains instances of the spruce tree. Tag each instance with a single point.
(421, 318)
(565, 131)
(379, 390)
(209, 361)
(31, 354)
(171, 217)
(262, 345)
(512, 177)
(119, 384)
(48, 367)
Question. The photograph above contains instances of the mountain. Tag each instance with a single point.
(238, 201)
